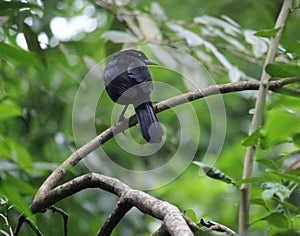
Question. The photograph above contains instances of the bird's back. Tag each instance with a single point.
(128, 80)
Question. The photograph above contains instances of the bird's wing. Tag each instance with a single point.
(140, 73)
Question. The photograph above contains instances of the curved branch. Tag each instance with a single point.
(172, 217)
(106, 135)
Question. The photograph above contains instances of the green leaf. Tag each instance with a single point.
(119, 37)
(149, 28)
(254, 138)
(20, 155)
(214, 173)
(268, 163)
(293, 48)
(268, 194)
(283, 70)
(281, 125)
(288, 205)
(4, 149)
(277, 219)
(296, 139)
(9, 109)
(191, 214)
(267, 33)
(9, 8)
(33, 43)
(289, 177)
(19, 184)
(19, 56)
(258, 201)
(11, 192)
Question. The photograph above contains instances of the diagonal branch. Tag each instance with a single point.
(106, 135)
(214, 226)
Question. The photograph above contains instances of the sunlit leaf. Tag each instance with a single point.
(158, 11)
(119, 37)
(191, 38)
(227, 26)
(259, 46)
(149, 28)
(275, 189)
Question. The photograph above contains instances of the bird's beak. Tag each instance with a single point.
(149, 62)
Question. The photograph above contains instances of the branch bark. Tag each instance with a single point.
(172, 217)
(48, 194)
(106, 135)
(257, 118)
(114, 218)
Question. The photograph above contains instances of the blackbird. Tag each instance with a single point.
(129, 81)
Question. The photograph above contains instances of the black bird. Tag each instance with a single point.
(129, 81)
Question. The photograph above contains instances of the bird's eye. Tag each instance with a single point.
(140, 54)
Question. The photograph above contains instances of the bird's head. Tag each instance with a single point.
(137, 54)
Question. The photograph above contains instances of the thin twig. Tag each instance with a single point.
(114, 218)
(7, 224)
(193, 226)
(64, 215)
(258, 117)
(21, 220)
(214, 226)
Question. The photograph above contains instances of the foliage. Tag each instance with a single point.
(41, 70)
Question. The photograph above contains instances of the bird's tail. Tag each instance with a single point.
(148, 122)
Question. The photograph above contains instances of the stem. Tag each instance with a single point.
(257, 118)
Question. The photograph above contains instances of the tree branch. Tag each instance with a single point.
(23, 219)
(48, 194)
(64, 215)
(258, 116)
(172, 217)
(114, 218)
(214, 226)
(43, 193)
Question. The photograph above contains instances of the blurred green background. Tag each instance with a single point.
(48, 47)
